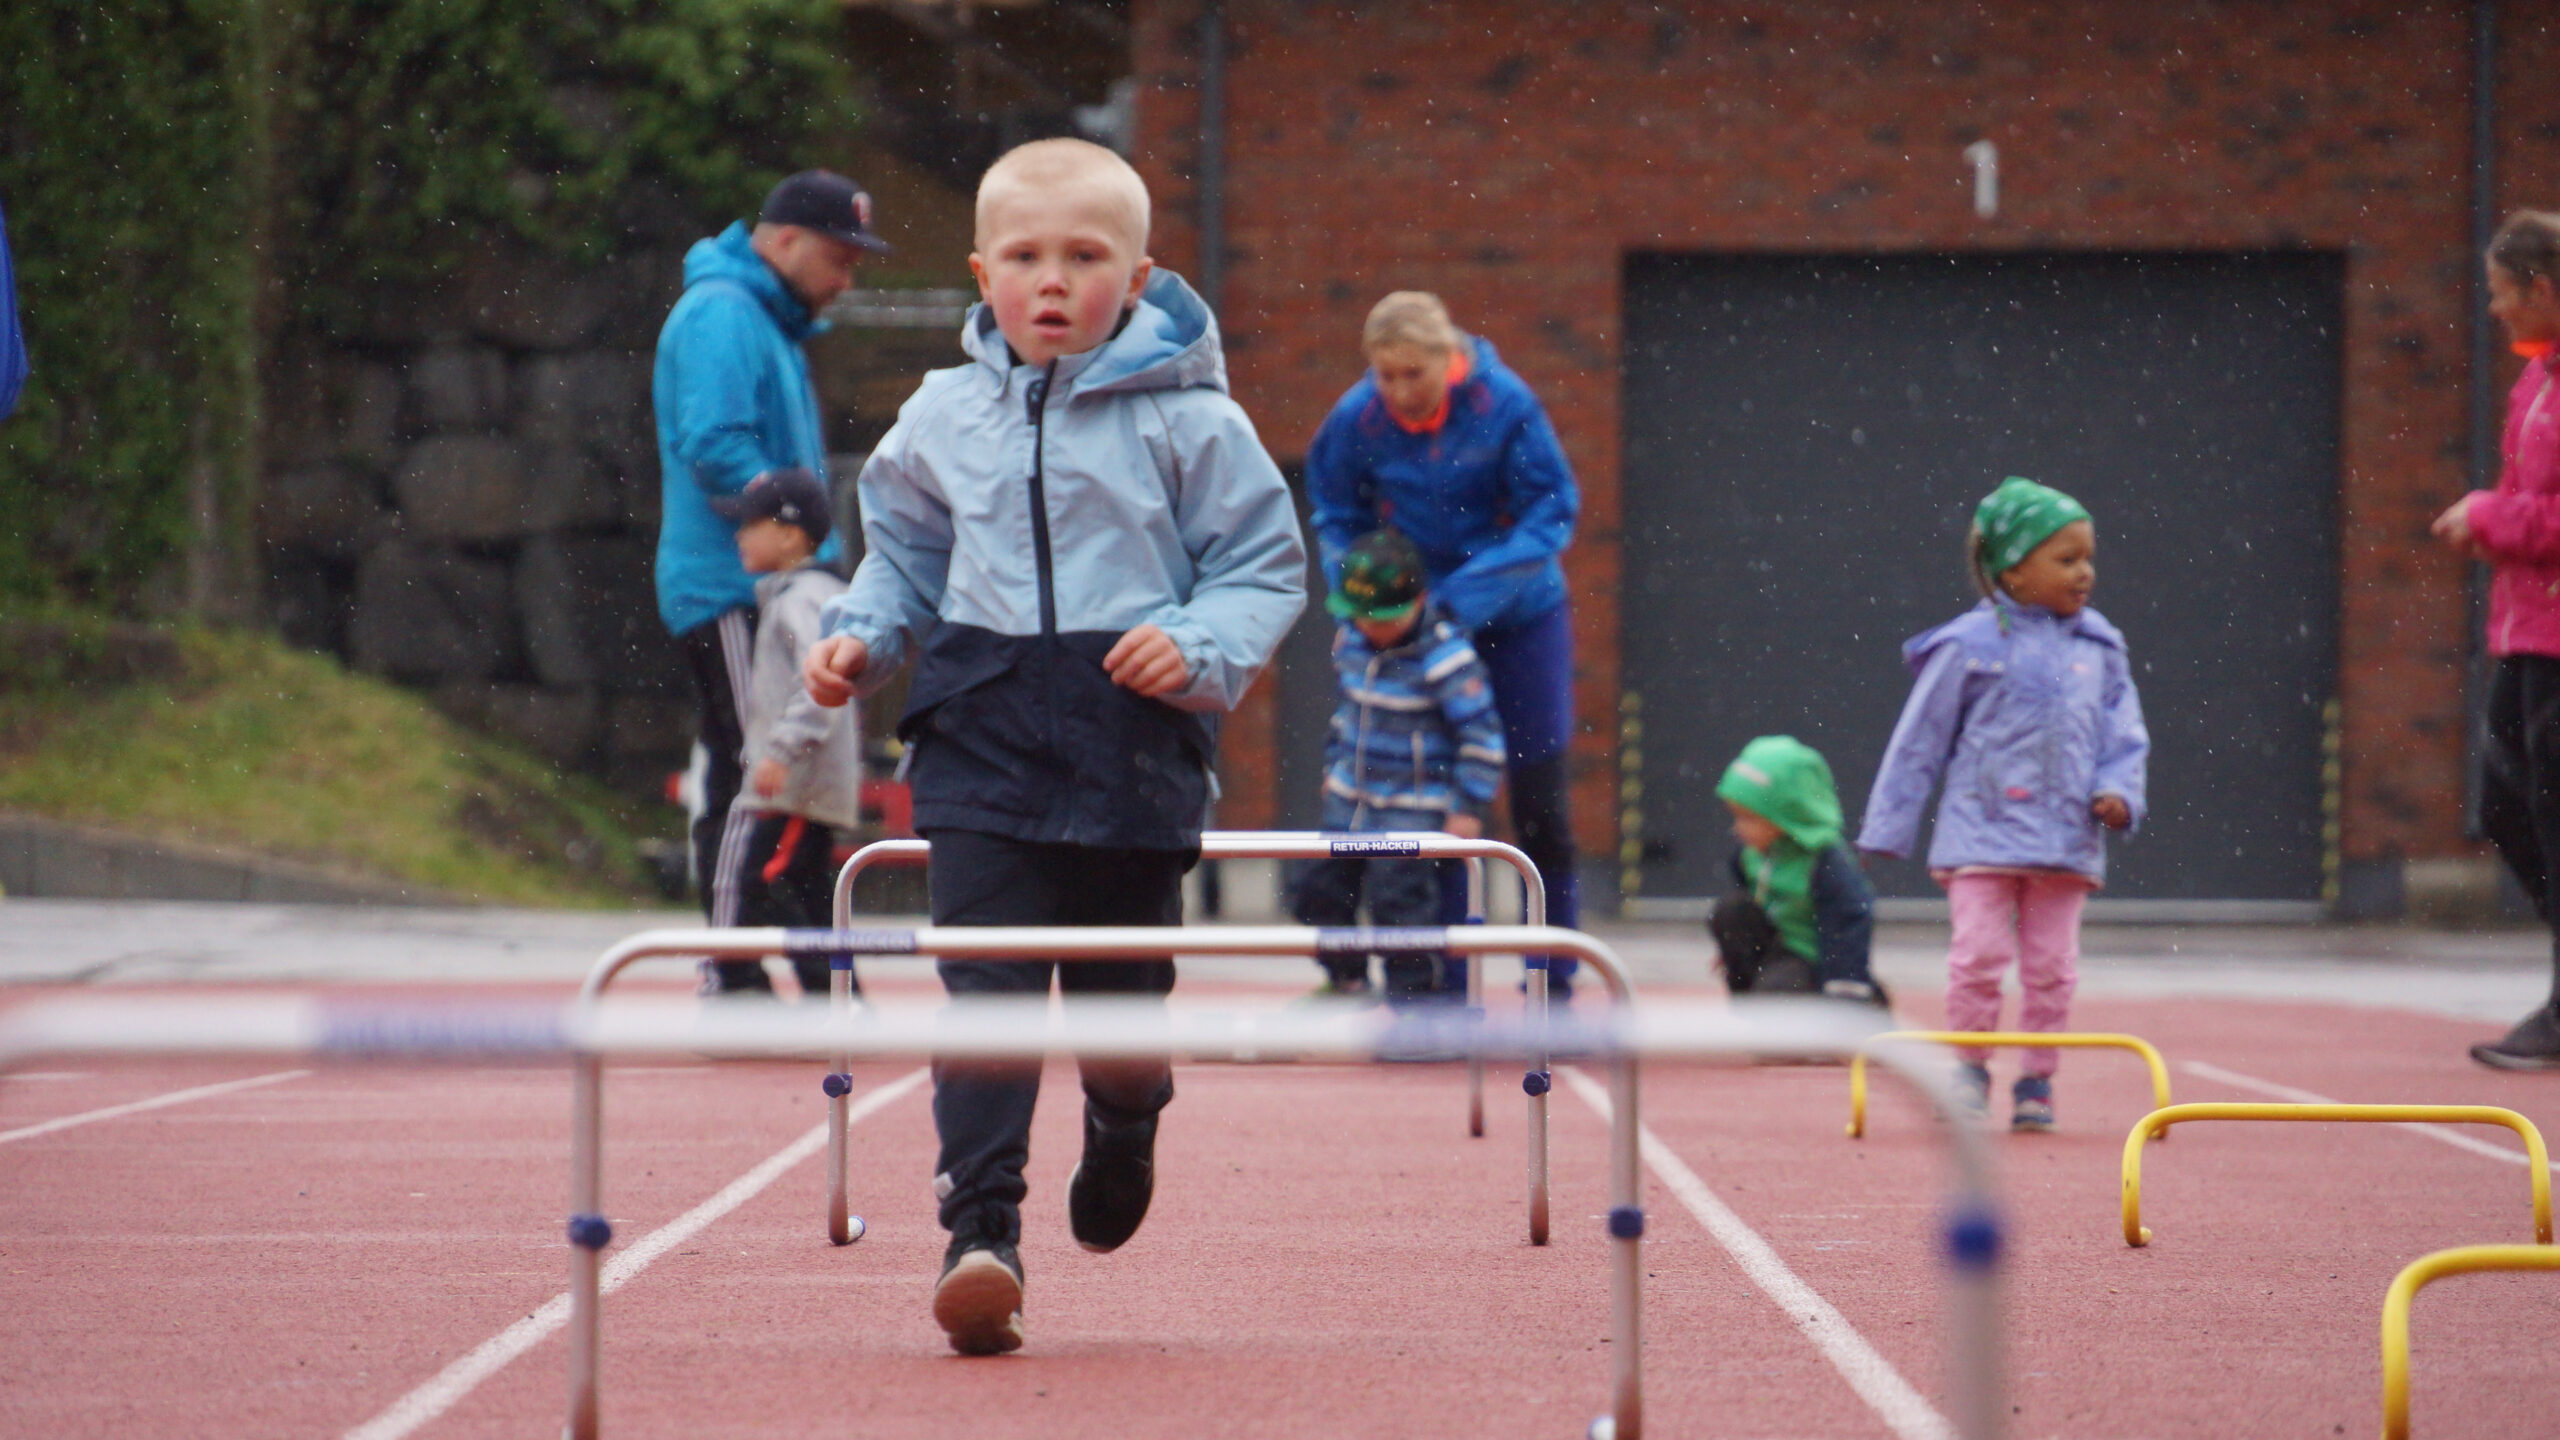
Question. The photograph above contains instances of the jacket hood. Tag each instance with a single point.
(1169, 343)
(1788, 781)
(731, 256)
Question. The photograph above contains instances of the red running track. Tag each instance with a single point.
(1328, 1254)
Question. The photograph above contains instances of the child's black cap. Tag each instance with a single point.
(826, 202)
(793, 496)
(1381, 578)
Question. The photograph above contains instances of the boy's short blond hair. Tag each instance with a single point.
(1409, 317)
(1050, 166)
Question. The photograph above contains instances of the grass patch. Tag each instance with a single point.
(229, 738)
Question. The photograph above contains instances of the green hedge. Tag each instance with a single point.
(187, 179)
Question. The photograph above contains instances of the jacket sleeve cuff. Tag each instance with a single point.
(2492, 520)
(1204, 686)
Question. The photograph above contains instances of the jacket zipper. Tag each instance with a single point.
(1038, 397)
(1360, 738)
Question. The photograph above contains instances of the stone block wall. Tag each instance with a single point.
(465, 499)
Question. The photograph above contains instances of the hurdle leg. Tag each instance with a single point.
(1540, 1080)
(1858, 1095)
(1625, 1420)
(1973, 1307)
(1475, 1001)
(842, 1227)
(589, 1233)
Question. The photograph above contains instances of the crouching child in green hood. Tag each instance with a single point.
(1803, 921)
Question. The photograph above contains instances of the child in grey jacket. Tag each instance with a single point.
(802, 761)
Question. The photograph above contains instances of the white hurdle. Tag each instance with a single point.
(587, 1032)
(844, 1228)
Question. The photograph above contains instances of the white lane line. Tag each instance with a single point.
(174, 1097)
(464, 1375)
(1903, 1409)
(2459, 1140)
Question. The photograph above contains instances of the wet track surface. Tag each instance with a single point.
(1329, 1253)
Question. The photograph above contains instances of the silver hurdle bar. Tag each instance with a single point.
(844, 1227)
(587, 1033)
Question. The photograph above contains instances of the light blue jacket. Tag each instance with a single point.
(732, 394)
(1162, 506)
(2029, 717)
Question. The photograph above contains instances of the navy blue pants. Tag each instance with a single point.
(982, 1108)
(1531, 667)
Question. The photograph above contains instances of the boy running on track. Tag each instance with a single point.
(2025, 704)
(803, 764)
(1112, 558)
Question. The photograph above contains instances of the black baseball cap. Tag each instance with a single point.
(1381, 578)
(826, 202)
(793, 496)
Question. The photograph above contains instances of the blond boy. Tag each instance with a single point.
(1101, 557)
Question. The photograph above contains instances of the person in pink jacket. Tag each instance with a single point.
(2516, 529)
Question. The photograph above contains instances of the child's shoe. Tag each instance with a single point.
(1973, 1089)
(732, 979)
(1345, 990)
(2031, 1105)
(1865, 992)
(978, 1302)
(1108, 1194)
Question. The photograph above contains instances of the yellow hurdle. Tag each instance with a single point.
(2461, 1260)
(2160, 1120)
(2007, 1040)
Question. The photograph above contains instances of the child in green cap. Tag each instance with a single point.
(1804, 919)
(1416, 744)
(2025, 706)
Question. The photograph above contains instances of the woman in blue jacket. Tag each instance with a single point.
(1441, 440)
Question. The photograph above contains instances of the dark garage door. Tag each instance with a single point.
(1806, 437)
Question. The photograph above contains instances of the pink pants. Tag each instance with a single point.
(2032, 921)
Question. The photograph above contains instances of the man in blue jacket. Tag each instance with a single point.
(733, 401)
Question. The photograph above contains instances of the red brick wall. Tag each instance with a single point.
(1509, 153)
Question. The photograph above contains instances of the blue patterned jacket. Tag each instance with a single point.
(1416, 729)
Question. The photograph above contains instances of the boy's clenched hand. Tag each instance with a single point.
(831, 667)
(1146, 660)
(2111, 811)
(1465, 827)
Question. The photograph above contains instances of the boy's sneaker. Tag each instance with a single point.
(2533, 1045)
(731, 979)
(1108, 1194)
(2031, 1105)
(1973, 1089)
(1345, 990)
(1865, 992)
(978, 1302)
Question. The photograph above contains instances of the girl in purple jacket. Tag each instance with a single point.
(2025, 706)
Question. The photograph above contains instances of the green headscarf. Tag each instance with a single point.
(1787, 782)
(2016, 518)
